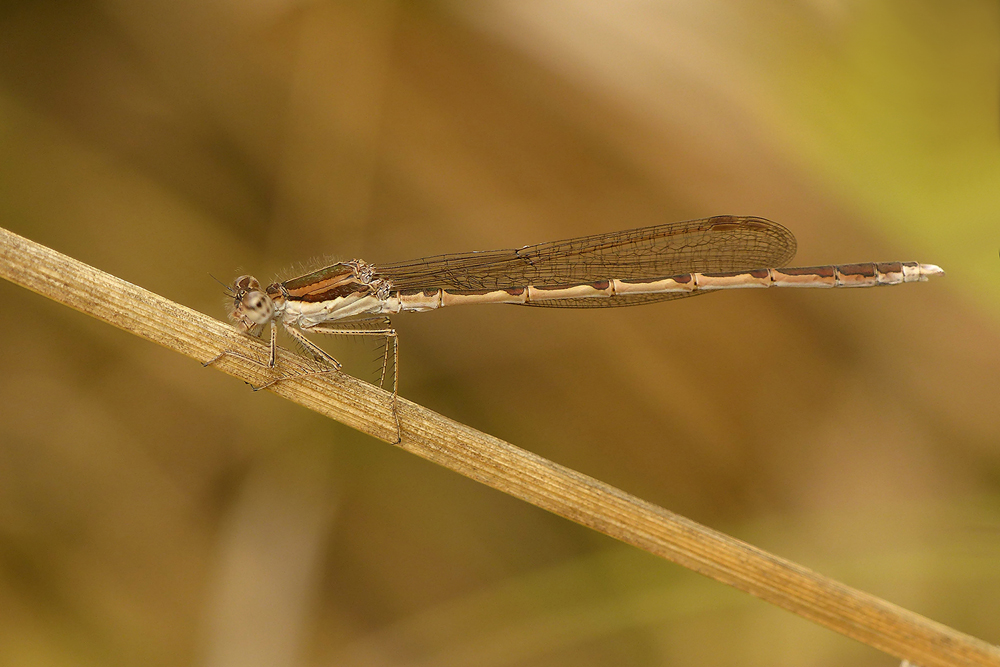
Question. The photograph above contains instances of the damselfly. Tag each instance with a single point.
(637, 266)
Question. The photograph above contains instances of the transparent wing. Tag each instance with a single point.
(711, 245)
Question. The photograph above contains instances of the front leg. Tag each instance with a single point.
(230, 353)
(274, 345)
(270, 359)
(315, 350)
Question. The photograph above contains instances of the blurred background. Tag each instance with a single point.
(153, 512)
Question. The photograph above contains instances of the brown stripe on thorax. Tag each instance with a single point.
(331, 282)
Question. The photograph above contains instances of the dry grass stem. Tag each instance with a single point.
(496, 463)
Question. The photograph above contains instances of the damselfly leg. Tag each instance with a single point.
(377, 326)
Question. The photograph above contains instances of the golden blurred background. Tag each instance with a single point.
(153, 512)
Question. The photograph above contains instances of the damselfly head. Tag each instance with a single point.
(251, 305)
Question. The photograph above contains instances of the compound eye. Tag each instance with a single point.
(245, 284)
